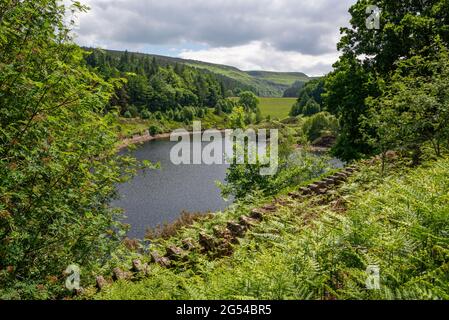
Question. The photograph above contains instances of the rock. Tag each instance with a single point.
(138, 266)
(257, 214)
(155, 257)
(305, 191)
(295, 195)
(80, 291)
(315, 188)
(321, 184)
(391, 155)
(247, 222)
(119, 274)
(174, 253)
(162, 261)
(101, 282)
(342, 175)
(269, 207)
(206, 241)
(188, 245)
(236, 229)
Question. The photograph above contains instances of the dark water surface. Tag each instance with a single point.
(159, 196)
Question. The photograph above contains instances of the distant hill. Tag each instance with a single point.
(263, 83)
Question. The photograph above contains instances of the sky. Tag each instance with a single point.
(271, 35)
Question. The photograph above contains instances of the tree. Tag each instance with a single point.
(346, 88)
(249, 101)
(406, 28)
(414, 109)
(58, 162)
(309, 99)
(237, 118)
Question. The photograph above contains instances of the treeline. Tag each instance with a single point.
(389, 89)
(149, 87)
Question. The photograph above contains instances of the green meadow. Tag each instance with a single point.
(276, 107)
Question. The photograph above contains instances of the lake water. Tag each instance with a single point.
(155, 197)
(159, 196)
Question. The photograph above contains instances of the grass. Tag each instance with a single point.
(321, 248)
(276, 107)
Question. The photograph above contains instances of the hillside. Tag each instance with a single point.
(318, 247)
(263, 83)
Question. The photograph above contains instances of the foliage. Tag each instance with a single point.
(309, 100)
(154, 130)
(320, 124)
(150, 87)
(58, 164)
(310, 251)
(413, 109)
(249, 101)
(407, 29)
(244, 179)
(347, 87)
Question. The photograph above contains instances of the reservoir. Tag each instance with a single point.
(159, 196)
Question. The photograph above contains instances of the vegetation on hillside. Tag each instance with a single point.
(321, 248)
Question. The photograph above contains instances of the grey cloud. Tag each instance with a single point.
(307, 27)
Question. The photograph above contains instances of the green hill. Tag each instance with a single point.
(263, 83)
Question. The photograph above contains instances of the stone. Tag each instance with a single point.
(247, 222)
(342, 175)
(269, 207)
(206, 241)
(236, 229)
(314, 187)
(162, 261)
(295, 195)
(174, 253)
(322, 191)
(188, 245)
(257, 214)
(154, 257)
(321, 184)
(101, 282)
(305, 191)
(119, 274)
(138, 266)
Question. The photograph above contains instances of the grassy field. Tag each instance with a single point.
(276, 107)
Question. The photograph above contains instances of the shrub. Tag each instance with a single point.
(319, 124)
(154, 130)
(145, 114)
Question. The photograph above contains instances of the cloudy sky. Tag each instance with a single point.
(275, 35)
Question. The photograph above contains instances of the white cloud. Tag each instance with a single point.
(261, 56)
(303, 31)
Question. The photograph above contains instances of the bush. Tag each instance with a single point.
(322, 123)
(145, 114)
(154, 130)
